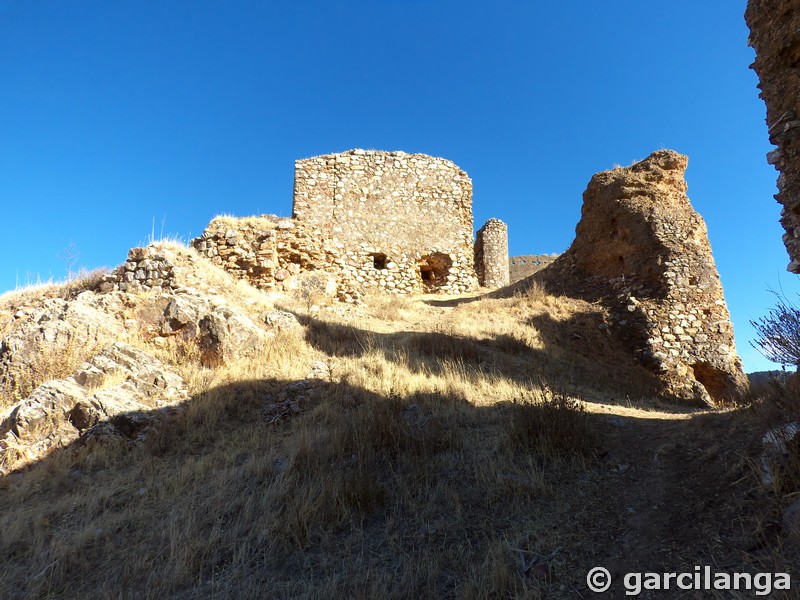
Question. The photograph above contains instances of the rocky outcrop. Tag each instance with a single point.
(226, 333)
(115, 393)
(59, 327)
(641, 248)
(775, 36)
(149, 299)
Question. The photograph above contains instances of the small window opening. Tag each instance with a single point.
(379, 260)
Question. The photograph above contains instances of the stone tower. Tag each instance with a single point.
(491, 254)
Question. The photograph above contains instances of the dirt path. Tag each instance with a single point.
(673, 491)
(674, 488)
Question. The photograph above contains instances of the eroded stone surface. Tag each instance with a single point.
(60, 326)
(642, 248)
(491, 254)
(399, 222)
(120, 383)
(775, 36)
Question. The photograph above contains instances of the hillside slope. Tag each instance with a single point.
(434, 447)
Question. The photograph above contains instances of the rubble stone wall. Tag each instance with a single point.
(150, 268)
(491, 254)
(521, 267)
(775, 36)
(399, 222)
(641, 248)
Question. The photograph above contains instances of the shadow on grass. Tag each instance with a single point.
(576, 356)
(354, 494)
(273, 489)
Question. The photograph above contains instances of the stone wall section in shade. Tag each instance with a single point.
(521, 267)
(491, 254)
(775, 36)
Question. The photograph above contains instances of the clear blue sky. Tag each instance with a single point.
(115, 115)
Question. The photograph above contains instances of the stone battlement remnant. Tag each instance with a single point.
(491, 254)
(775, 36)
(641, 248)
(389, 220)
(521, 267)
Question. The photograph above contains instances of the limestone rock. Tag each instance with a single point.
(86, 321)
(643, 250)
(281, 320)
(776, 451)
(121, 382)
(225, 334)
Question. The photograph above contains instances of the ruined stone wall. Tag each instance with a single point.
(248, 248)
(154, 267)
(395, 221)
(402, 222)
(775, 36)
(521, 267)
(642, 249)
(491, 254)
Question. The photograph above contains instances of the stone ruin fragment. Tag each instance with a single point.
(394, 221)
(775, 36)
(642, 249)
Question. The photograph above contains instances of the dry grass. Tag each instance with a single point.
(262, 222)
(446, 439)
(34, 294)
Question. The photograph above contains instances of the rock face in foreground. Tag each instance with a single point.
(641, 248)
(113, 394)
(775, 36)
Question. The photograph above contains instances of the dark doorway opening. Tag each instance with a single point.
(434, 269)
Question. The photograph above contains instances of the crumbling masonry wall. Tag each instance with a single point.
(402, 222)
(491, 254)
(521, 267)
(775, 36)
(395, 221)
(642, 250)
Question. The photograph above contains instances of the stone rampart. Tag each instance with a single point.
(521, 267)
(390, 220)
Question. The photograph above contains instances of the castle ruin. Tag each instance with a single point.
(775, 36)
(641, 249)
(398, 222)
(491, 254)
(520, 267)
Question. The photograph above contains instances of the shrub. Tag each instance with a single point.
(778, 333)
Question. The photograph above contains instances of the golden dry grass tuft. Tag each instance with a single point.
(262, 222)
